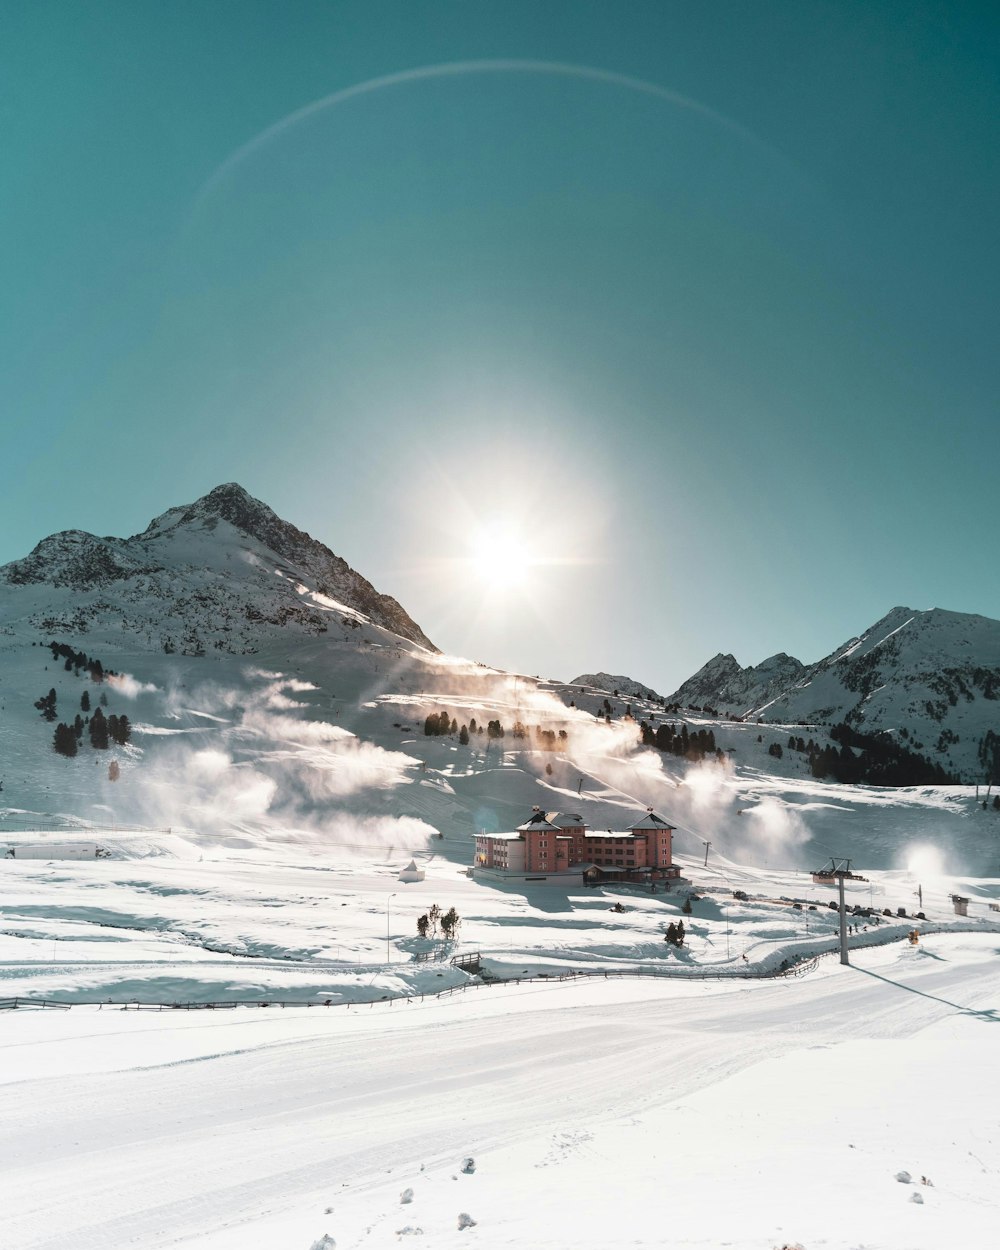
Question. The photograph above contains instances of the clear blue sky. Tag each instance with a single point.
(720, 342)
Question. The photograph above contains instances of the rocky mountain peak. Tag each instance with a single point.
(194, 546)
(228, 502)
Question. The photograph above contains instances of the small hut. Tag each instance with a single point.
(412, 873)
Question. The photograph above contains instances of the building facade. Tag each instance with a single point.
(549, 843)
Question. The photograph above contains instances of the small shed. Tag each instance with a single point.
(412, 873)
(960, 904)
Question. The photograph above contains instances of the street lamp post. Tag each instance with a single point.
(388, 952)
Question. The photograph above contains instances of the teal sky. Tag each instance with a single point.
(700, 299)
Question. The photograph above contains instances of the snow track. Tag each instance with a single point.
(119, 1129)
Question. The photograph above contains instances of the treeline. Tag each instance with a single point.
(77, 661)
(880, 760)
(691, 745)
(438, 724)
(441, 723)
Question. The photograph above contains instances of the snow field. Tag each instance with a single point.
(239, 925)
(605, 1114)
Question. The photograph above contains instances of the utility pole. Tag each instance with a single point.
(707, 845)
(843, 920)
(388, 952)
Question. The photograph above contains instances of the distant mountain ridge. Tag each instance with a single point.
(625, 687)
(930, 678)
(209, 573)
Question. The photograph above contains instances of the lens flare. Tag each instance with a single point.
(501, 558)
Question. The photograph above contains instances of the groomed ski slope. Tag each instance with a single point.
(604, 1114)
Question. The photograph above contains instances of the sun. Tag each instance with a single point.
(501, 558)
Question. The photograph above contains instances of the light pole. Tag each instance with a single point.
(388, 952)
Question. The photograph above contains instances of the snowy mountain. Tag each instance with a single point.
(930, 678)
(272, 695)
(624, 687)
(275, 698)
(722, 683)
(215, 573)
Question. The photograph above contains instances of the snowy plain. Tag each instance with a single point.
(601, 1114)
(600, 1111)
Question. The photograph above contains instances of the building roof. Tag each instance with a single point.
(538, 821)
(651, 821)
(566, 820)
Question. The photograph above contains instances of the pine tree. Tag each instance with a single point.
(64, 740)
(671, 934)
(680, 932)
(85, 701)
(47, 705)
(463, 736)
(99, 731)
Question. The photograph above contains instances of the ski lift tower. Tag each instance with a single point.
(838, 869)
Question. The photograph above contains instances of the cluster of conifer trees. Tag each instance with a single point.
(77, 660)
(689, 745)
(101, 730)
(435, 917)
(675, 933)
(438, 723)
(880, 760)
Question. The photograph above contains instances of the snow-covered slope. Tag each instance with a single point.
(930, 677)
(625, 687)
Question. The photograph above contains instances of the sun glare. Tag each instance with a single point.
(501, 559)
